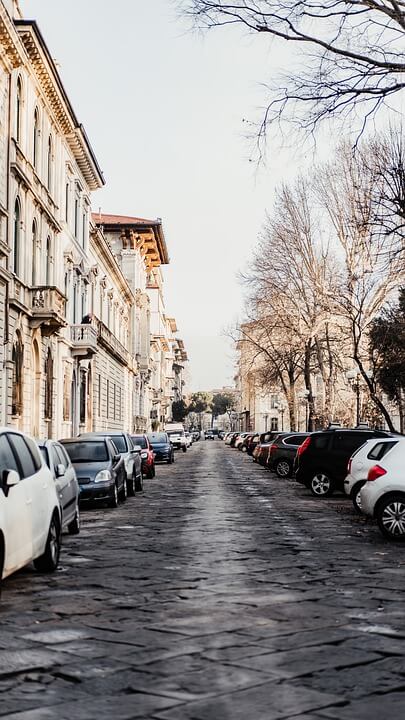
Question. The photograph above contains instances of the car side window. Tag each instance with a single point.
(54, 456)
(62, 455)
(379, 450)
(295, 440)
(130, 443)
(7, 459)
(348, 441)
(34, 452)
(23, 455)
(321, 442)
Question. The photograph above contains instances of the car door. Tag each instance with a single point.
(37, 483)
(72, 486)
(62, 482)
(343, 446)
(17, 529)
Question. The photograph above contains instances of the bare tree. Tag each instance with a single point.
(351, 58)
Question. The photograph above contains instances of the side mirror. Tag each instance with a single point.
(137, 449)
(60, 470)
(10, 478)
(116, 459)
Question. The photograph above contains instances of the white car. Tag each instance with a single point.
(30, 519)
(360, 463)
(383, 495)
(189, 439)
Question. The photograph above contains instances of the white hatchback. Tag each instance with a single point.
(360, 463)
(383, 495)
(30, 520)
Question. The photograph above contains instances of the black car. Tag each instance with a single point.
(321, 461)
(130, 453)
(162, 447)
(209, 435)
(100, 469)
(283, 451)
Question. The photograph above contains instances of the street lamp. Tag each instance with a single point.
(353, 378)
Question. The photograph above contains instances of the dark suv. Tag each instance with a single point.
(283, 451)
(321, 461)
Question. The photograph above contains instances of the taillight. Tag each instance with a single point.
(304, 446)
(272, 448)
(349, 466)
(375, 472)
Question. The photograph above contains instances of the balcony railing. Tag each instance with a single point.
(84, 340)
(48, 308)
(112, 344)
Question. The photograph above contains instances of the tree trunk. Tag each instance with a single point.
(291, 399)
(308, 386)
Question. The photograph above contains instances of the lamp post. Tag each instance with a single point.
(353, 378)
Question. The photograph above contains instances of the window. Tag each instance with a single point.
(34, 452)
(66, 395)
(17, 236)
(273, 424)
(48, 279)
(82, 396)
(99, 395)
(64, 457)
(7, 459)
(379, 450)
(108, 398)
(18, 110)
(34, 253)
(35, 139)
(17, 379)
(295, 440)
(115, 401)
(67, 194)
(23, 455)
(120, 443)
(84, 225)
(87, 451)
(76, 216)
(349, 441)
(49, 164)
(48, 386)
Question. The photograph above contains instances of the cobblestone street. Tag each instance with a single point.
(223, 592)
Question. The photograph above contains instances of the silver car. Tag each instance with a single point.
(66, 483)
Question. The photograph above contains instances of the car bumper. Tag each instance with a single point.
(95, 492)
(348, 483)
(161, 456)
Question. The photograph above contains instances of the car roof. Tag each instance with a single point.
(103, 433)
(83, 438)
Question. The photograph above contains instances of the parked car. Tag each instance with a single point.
(131, 455)
(230, 437)
(66, 483)
(251, 442)
(238, 444)
(221, 435)
(196, 435)
(177, 436)
(100, 469)
(147, 455)
(282, 452)
(383, 495)
(360, 463)
(209, 435)
(30, 518)
(321, 461)
(162, 447)
(189, 439)
(261, 451)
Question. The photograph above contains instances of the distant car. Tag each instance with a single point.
(221, 435)
(162, 447)
(30, 517)
(360, 463)
(196, 435)
(100, 469)
(209, 435)
(282, 452)
(251, 442)
(383, 495)
(238, 444)
(66, 483)
(229, 437)
(130, 453)
(261, 451)
(178, 439)
(147, 455)
(321, 461)
(189, 439)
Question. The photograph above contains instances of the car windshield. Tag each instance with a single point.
(119, 442)
(175, 432)
(156, 438)
(83, 451)
(140, 440)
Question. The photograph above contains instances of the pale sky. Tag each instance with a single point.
(164, 111)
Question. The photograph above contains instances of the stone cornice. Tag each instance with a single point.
(44, 68)
(103, 248)
(12, 49)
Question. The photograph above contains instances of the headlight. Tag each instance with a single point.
(144, 455)
(103, 476)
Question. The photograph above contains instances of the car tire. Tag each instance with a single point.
(48, 561)
(139, 483)
(184, 448)
(322, 485)
(113, 502)
(131, 484)
(355, 496)
(283, 468)
(151, 473)
(390, 516)
(124, 491)
(74, 526)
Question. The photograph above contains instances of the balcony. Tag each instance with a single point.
(108, 340)
(84, 341)
(48, 309)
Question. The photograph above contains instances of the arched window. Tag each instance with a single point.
(17, 358)
(49, 164)
(34, 253)
(48, 279)
(17, 235)
(67, 193)
(83, 393)
(48, 385)
(35, 138)
(18, 110)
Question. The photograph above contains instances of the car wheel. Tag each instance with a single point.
(131, 484)
(356, 498)
(390, 515)
(113, 502)
(322, 485)
(184, 448)
(151, 472)
(139, 483)
(74, 526)
(48, 561)
(283, 468)
(124, 491)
